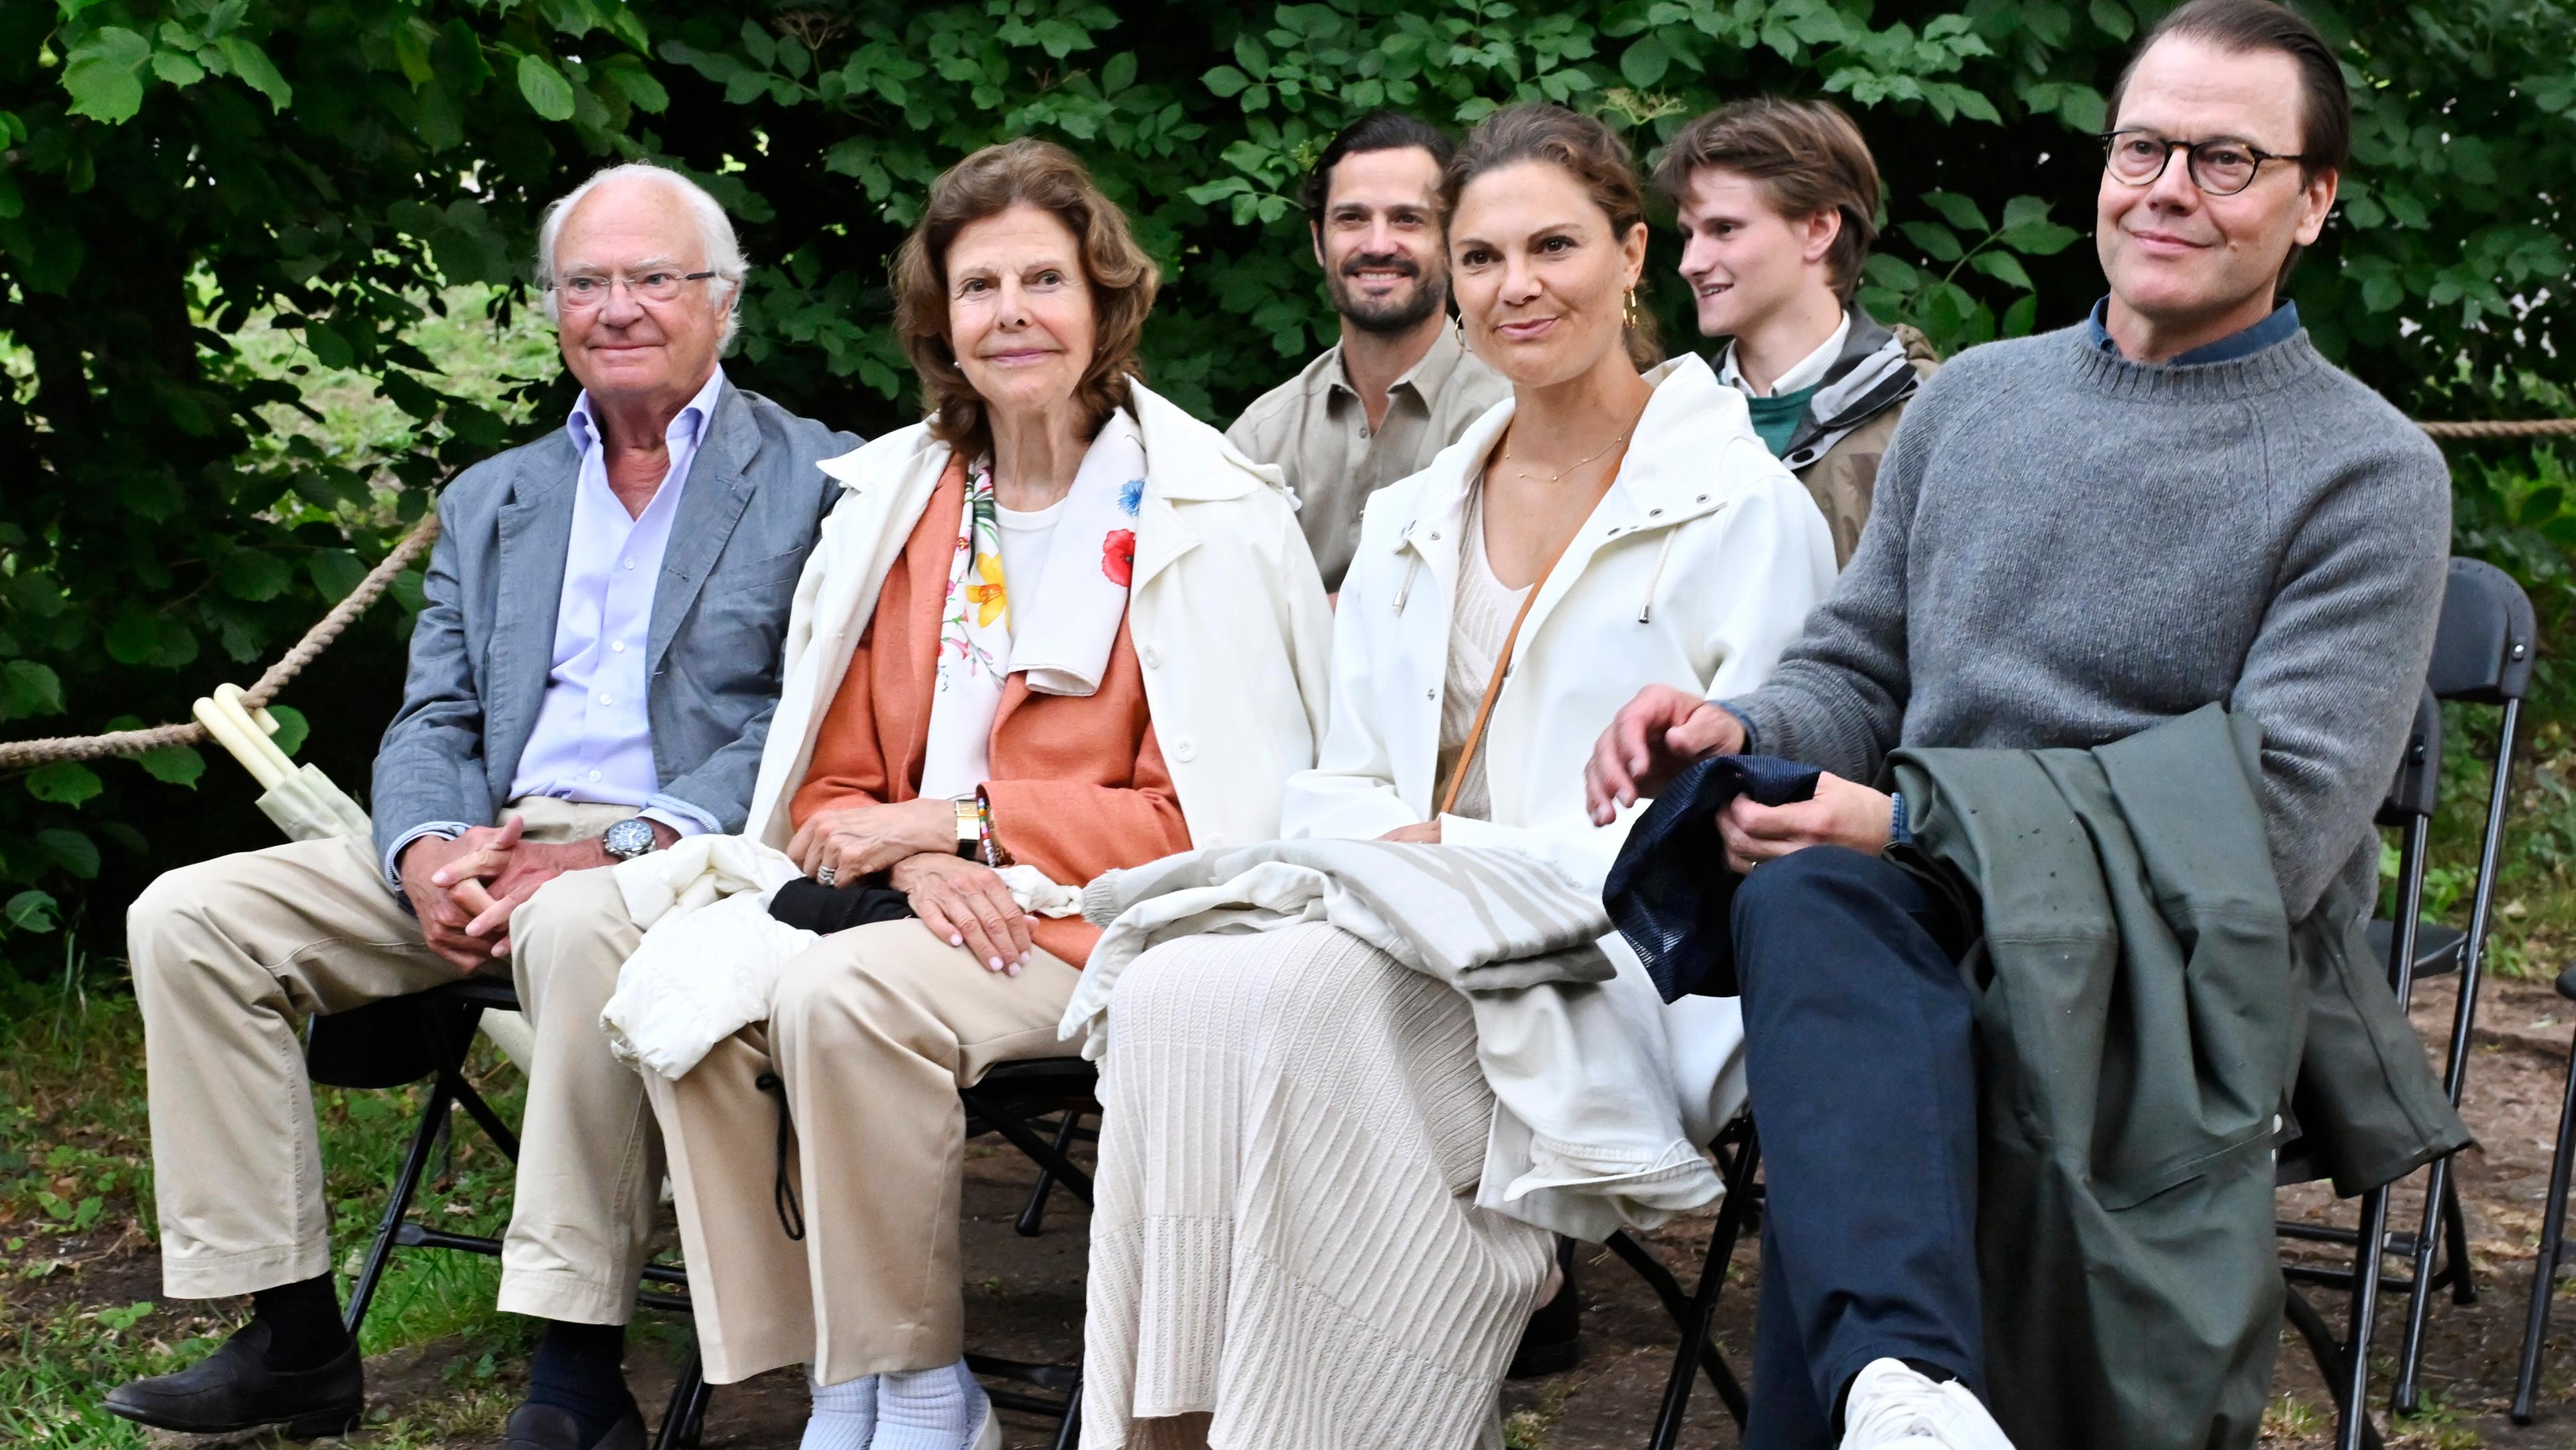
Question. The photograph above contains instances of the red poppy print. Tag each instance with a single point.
(1118, 556)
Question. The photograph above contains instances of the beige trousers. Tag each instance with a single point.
(229, 953)
(872, 1033)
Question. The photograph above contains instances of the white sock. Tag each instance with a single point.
(929, 1409)
(845, 1415)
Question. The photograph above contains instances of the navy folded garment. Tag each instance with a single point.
(816, 907)
(1669, 892)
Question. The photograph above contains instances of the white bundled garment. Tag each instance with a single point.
(1589, 1131)
(711, 954)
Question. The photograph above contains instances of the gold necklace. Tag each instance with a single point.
(1559, 476)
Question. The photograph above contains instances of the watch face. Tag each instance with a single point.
(628, 838)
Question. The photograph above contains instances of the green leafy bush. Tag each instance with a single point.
(209, 211)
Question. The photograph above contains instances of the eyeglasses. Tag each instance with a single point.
(590, 289)
(2220, 168)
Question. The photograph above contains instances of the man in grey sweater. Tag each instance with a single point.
(2077, 536)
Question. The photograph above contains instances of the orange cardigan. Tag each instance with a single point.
(1079, 786)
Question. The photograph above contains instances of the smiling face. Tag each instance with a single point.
(1020, 315)
(626, 346)
(2175, 255)
(1744, 261)
(1539, 274)
(1379, 241)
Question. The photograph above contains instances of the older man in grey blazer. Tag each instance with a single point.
(591, 679)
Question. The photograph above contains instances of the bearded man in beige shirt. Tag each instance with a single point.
(1400, 385)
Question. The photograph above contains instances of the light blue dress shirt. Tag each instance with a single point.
(593, 739)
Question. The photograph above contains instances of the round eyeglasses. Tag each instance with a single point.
(590, 289)
(2221, 168)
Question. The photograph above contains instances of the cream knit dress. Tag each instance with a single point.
(1286, 1253)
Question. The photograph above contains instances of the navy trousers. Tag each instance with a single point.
(1861, 1067)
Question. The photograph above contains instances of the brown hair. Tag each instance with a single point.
(1122, 279)
(1584, 149)
(1808, 157)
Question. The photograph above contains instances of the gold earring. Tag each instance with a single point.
(1628, 309)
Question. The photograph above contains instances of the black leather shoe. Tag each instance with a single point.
(1553, 1342)
(233, 1389)
(551, 1427)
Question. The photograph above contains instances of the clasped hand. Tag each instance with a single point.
(463, 890)
(1663, 731)
(964, 903)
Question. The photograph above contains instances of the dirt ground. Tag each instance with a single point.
(1025, 1295)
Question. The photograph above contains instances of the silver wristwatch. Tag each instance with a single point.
(629, 838)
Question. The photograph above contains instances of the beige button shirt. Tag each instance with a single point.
(1314, 427)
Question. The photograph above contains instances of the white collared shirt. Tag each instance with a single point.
(593, 739)
(1810, 370)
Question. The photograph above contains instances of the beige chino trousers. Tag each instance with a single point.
(872, 1032)
(229, 953)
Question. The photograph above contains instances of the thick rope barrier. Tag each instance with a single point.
(17, 755)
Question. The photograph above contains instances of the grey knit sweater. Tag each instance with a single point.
(2068, 548)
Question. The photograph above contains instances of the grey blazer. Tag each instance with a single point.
(484, 643)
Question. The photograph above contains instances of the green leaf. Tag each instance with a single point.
(2113, 19)
(133, 636)
(1225, 82)
(33, 911)
(251, 64)
(253, 575)
(71, 850)
(173, 765)
(65, 783)
(103, 74)
(1119, 73)
(292, 728)
(177, 68)
(1958, 210)
(1645, 62)
(2004, 267)
(547, 92)
(29, 689)
(1937, 241)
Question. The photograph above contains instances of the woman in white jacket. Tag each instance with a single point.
(1286, 1249)
(1060, 624)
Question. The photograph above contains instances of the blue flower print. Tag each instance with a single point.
(1130, 494)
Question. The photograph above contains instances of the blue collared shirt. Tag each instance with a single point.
(593, 739)
(2281, 326)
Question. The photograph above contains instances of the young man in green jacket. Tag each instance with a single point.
(2079, 536)
(1776, 201)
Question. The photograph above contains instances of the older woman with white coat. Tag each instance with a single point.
(1060, 625)
(1288, 1247)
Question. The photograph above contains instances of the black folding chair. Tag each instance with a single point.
(1739, 1156)
(1016, 1101)
(2553, 1254)
(2483, 651)
(428, 1035)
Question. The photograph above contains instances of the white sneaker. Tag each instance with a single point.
(1892, 1407)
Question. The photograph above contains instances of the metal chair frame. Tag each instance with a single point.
(2483, 653)
(1739, 1153)
(1006, 1102)
(2553, 1251)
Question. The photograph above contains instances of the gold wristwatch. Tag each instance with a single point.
(970, 828)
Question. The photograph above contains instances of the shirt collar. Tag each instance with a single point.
(2281, 326)
(1809, 371)
(689, 427)
(1428, 375)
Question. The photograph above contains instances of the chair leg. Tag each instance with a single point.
(1068, 1431)
(1033, 1218)
(2553, 1251)
(2455, 1238)
(2328, 1353)
(1694, 1352)
(2369, 1249)
(424, 1142)
(2438, 1191)
(684, 1415)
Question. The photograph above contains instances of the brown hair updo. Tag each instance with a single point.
(1122, 279)
(1584, 149)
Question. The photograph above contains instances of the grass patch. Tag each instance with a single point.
(76, 1216)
